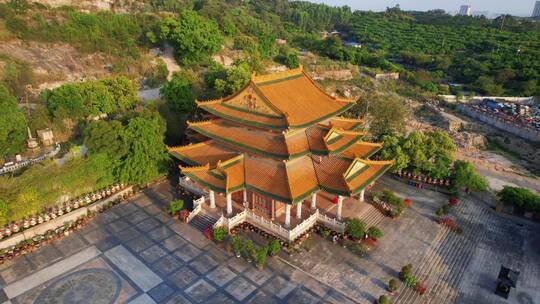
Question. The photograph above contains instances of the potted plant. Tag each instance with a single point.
(219, 234)
(237, 244)
(405, 271)
(383, 300)
(274, 247)
(249, 250)
(374, 233)
(392, 285)
(183, 215)
(260, 256)
(410, 281)
(356, 229)
(175, 207)
(420, 288)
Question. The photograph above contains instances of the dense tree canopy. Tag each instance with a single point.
(464, 176)
(12, 124)
(194, 37)
(178, 94)
(387, 114)
(429, 153)
(135, 148)
(227, 81)
(91, 98)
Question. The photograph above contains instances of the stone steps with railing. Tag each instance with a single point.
(202, 221)
(445, 264)
(426, 264)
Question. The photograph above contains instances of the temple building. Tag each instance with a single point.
(278, 155)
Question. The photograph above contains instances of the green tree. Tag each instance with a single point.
(465, 176)
(123, 91)
(12, 124)
(227, 81)
(178, 94)
(388, 115)
(66, 101)
(521, 198)
(356, 228)
(106, 137)
(194, 37)
(393, 149)
(146, 156)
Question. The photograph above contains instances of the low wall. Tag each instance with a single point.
(466, 99)
(528, 134)
(59, 221)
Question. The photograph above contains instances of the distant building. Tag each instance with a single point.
(536, 10)
(352, 44)
(465, 10)
(46, 137)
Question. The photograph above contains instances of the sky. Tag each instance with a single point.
(514, 7)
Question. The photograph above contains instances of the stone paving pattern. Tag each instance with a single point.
(188, 268)
(178, 265)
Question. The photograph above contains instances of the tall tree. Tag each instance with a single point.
(388, 114)
(194, 37)
(465, 176)
(178, 94)
(12, 124)
(146, 156)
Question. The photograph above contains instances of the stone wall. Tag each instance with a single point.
(525, 133)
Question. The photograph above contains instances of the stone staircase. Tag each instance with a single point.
(202, 220)
(371, 216)
(442, 267)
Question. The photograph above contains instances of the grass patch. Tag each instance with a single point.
(43, 185)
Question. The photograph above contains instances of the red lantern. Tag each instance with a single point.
(335, 200)
(407, 202)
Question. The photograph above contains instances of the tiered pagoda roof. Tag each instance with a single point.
(280, 136)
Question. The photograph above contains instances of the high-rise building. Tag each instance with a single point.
(536, 10)
(465, 10)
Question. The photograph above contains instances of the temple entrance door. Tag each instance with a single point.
(262, 205)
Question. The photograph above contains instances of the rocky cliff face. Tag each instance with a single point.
(91, 5)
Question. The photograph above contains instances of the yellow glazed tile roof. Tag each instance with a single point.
(289, 99)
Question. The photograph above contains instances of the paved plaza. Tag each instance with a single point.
(135, 253)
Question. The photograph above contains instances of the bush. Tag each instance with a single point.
(383, 300)
(260, 256)
(219, 234)
(443, 210)
(237, 243)
(175, 206)
(521, 198)
(325, 232)
(405, 271)
(410, 281)
(374, 233)
(273, 247)
(392, 285)
(356, 228)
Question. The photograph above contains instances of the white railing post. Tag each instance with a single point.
(339, 207)
(212, 199)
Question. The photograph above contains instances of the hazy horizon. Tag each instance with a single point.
(517, 7)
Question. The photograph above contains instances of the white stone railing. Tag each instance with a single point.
(197, 207)
(331, 223)
(303, 226)
(186, 184)
(278, 230)
(236, 220)
(267, 225)
(222, 221)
